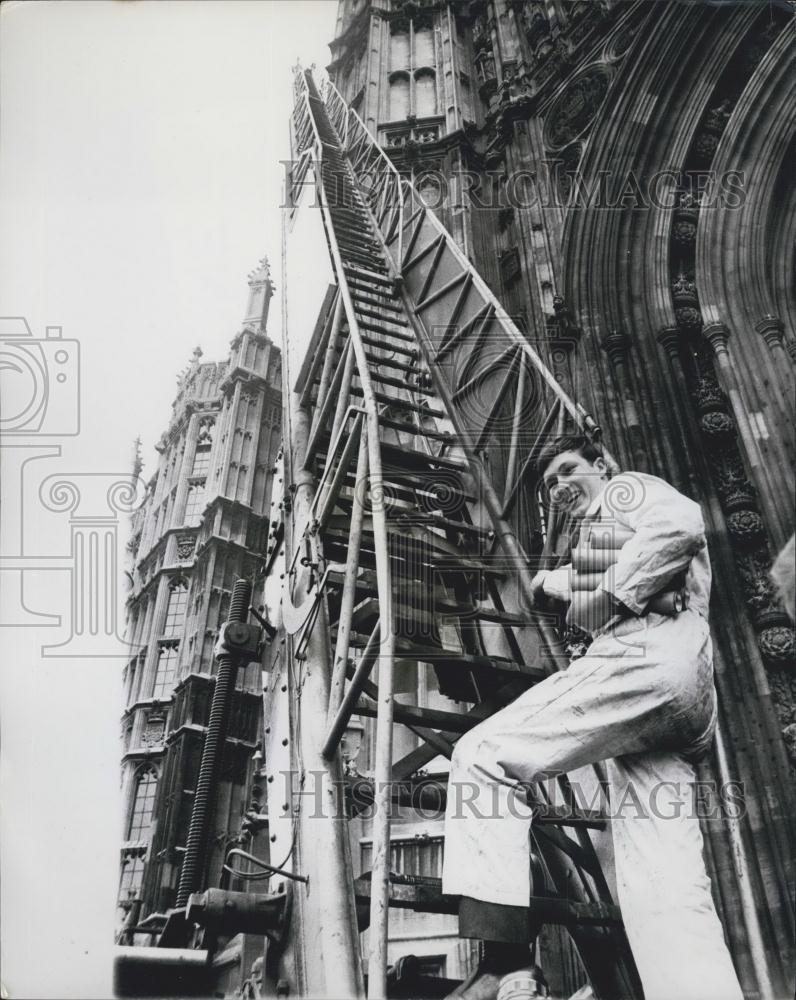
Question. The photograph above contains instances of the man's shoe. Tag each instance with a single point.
(523, 985)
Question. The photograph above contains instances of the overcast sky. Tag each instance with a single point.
(140, 183)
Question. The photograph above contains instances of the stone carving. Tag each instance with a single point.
(734, 488)
(205, 432)
(746, 526)
(684, 291)
(574, 111)
(717, 424)
(534, 22)
(684, 231)
(778, 645)
(709, 394)
(706, 145)
(154, 730)
(689, 318)
(509, 265)
(185, 547)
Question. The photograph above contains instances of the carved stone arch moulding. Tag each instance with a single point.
(710, 375)
(741, 285)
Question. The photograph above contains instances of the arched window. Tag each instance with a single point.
(425, 94)
(194, 504)
(424, 48)
(175, 612)
(399, 96)
(143, 803)
(132, 877)
(413, 65)
(201, 460)
(166, 670)
(399, 50)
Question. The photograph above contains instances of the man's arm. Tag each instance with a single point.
(668, 532)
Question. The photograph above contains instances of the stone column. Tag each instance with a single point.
(772, 491)
(617, 346)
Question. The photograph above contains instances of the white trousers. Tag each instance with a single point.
(638, 700)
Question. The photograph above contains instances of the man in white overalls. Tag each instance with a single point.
(642, 699)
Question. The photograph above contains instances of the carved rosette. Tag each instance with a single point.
(684, 228)
(746, 527)
(689, 318)
(778, 645)
(717, 426)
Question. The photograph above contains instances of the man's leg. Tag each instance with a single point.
(664, 891)
(600, 707)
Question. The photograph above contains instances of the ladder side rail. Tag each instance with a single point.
(338, 110)
(377, 963)
(392, 180)
(325, 847)
(348, 597)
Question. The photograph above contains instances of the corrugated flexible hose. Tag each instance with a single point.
(195, 860)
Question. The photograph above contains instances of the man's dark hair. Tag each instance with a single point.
(567, 442)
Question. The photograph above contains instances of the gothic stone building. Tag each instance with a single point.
(203, 523)
(621, 175)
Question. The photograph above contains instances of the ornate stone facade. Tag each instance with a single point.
(634, 159)
(203, 523)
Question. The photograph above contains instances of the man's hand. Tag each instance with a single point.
(590, 610)
(537, 585)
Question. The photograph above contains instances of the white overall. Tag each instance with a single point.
(642, 699)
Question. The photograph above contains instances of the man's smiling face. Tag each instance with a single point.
(573, 481)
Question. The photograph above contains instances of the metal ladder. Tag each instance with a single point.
(421, 395)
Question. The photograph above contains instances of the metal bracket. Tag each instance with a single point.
(240, 640)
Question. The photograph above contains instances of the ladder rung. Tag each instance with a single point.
(380, 278)
(407, 352)
(410, 459)
(401, 404)
(426, 607)
(386, 331)
(350, 254)
(374, 314)
(432, 794)
(412, 715)
(373, 287)
(425, 895)
(428, 519)
(388, 306)
(390, 363)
